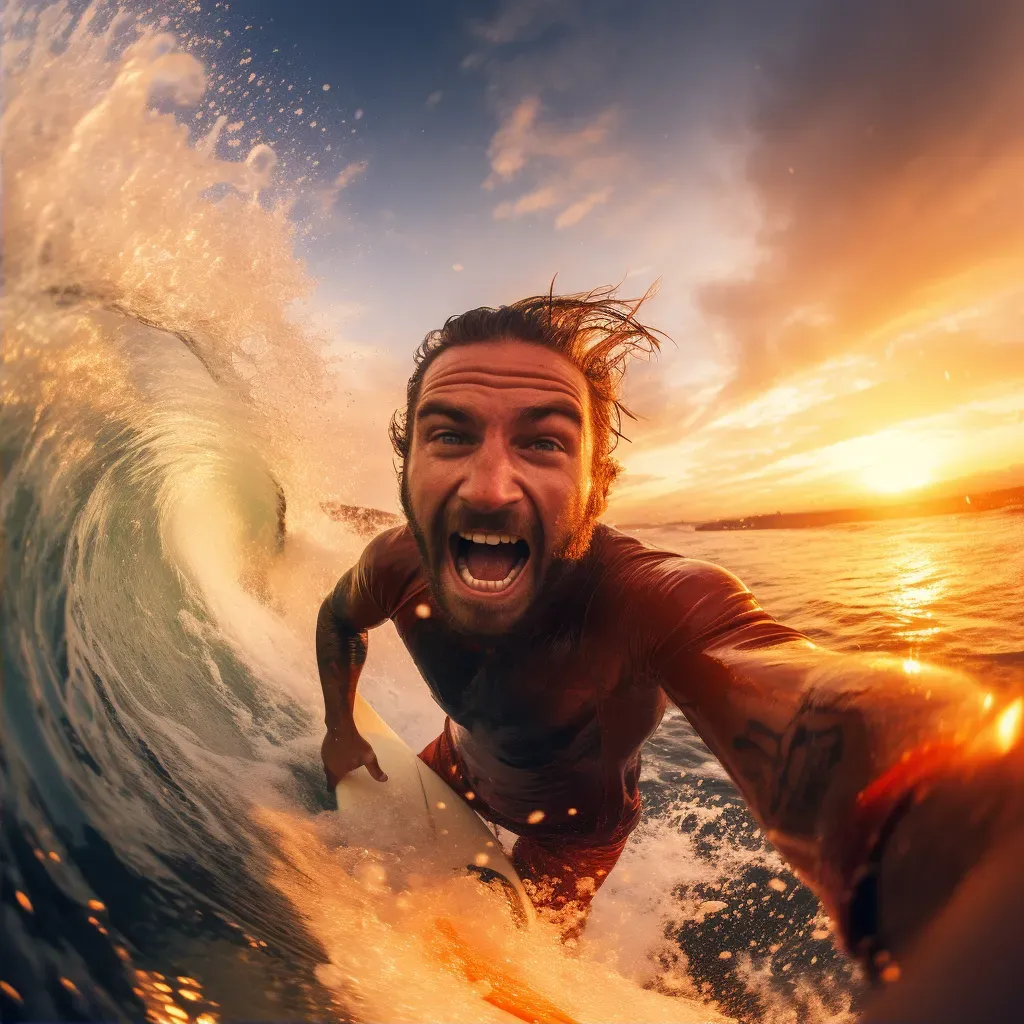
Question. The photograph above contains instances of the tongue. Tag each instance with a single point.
(490, 561)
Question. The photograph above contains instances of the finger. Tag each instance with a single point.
(374, 769)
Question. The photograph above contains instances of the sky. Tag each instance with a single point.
(829, 194)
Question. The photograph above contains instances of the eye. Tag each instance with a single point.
(547, 444)
(448, 437)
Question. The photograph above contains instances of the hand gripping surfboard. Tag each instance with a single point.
(425, 813)
(437, 821)
(434, 819)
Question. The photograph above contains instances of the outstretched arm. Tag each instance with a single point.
(853, 764)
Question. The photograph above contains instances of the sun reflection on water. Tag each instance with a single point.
(917, 586)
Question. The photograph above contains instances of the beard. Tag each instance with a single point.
(569, 549)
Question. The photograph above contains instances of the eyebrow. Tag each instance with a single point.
(533, 414)
(567, 410)
(434, 407)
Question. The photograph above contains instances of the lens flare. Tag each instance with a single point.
(1008, 726)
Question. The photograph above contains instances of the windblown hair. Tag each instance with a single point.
(595, 331)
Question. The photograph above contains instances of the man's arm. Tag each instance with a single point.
(355, 606)
(840, 757)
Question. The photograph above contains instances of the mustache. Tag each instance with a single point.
(488, 522)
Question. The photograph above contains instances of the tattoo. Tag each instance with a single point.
(340, 655)
(357, 649)
(793, 767)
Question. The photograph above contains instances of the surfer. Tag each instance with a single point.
(554, 642)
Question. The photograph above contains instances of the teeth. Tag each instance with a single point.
(489, 538)
(488, 586)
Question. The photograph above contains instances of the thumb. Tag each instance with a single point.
(373, 767)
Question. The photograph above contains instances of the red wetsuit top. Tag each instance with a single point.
(556, 720)
(824, 746)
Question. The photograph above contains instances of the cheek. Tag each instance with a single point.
(562, 497)
(425, 484)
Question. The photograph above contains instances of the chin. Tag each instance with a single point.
(481, 621)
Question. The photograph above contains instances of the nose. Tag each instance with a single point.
(490, 482)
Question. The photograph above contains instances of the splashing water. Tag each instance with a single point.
(168, 847)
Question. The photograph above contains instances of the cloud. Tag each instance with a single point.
(575, 212)
(571, 169)
(521, 20)
(531, 202)
(523, 137)
(888, 158)
(955, 389)
(349, 173)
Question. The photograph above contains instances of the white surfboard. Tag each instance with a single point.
(418, 810)
(434, 818)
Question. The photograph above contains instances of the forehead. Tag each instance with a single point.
(513, 372)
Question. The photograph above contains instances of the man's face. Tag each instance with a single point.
(498, 477)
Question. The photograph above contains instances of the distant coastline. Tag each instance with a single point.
(986, 501)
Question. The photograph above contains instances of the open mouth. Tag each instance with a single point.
(489, 562)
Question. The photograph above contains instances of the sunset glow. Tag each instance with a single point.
(897, 463)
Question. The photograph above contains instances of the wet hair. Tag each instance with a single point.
(595, 331)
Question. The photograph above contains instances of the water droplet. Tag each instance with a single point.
(10, 991)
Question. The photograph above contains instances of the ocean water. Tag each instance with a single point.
(943, 588)
(168, 846)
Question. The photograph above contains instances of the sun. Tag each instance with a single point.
(895, 463)
(895, 477)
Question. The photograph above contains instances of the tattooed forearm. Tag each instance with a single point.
(340, 655)
(791, 772)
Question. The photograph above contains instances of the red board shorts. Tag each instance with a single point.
(561, 874)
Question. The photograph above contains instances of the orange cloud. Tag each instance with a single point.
(888, 163)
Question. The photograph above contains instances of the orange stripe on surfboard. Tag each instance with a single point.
(507, 992)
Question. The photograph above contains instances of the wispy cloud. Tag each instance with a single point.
(566, 171)
(349, 173)
(520, 20)
(575, 212)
